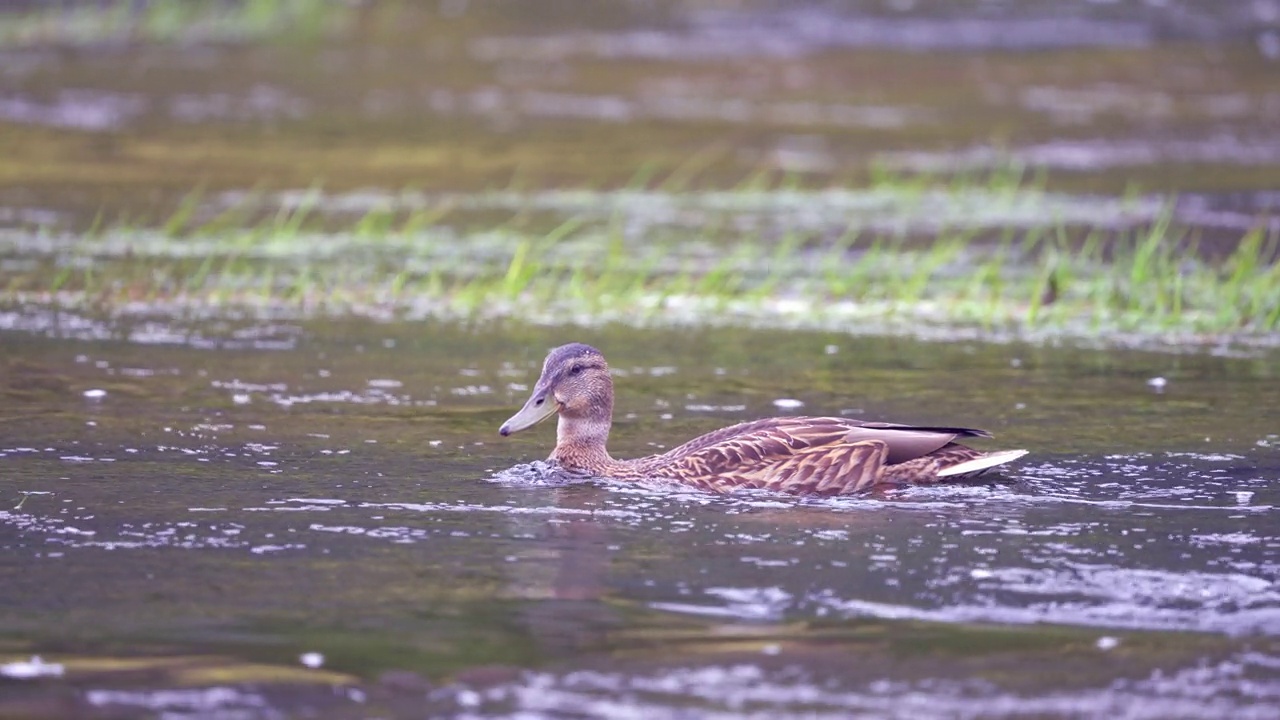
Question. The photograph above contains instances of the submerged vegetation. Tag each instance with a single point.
(997, 256)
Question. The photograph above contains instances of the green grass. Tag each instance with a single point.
(171, 21)
(904, 255)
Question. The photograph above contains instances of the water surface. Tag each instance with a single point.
(189, 527)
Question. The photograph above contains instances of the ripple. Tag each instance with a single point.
(82, 109)
(81, 533)
(216, 701)
(539, 473)
(1242, 686)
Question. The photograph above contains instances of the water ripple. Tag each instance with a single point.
(1242, 686)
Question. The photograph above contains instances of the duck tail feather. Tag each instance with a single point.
(980, 464)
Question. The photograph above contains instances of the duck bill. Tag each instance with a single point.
(540, 406)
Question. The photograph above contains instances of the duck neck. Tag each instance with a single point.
(580, 444)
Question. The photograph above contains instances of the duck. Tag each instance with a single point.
(788, 454)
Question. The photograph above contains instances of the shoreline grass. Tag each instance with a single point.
(170, 21)
(899, 257)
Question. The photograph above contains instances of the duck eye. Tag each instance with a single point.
(575, 370)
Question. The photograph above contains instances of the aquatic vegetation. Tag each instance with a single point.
(998, 256)
(170, 21)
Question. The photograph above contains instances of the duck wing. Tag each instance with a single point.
(823, 455)
(908, 442)
(836, 469)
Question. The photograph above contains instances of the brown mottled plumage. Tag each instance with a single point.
(801, 455)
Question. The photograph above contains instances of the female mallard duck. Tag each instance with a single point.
(801, 455)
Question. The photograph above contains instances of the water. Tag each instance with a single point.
(238, 505)
(189, 528)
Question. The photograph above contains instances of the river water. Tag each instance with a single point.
(185, 526)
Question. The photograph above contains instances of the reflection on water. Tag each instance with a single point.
(386, 529)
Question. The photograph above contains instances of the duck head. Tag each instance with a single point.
(575, 383)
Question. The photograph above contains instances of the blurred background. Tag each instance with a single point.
(576, 140)
(164, 94)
